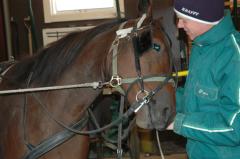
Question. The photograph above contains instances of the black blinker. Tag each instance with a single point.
(143, 42)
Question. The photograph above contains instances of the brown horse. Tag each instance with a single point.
(29, 120)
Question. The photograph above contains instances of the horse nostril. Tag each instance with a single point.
(168, 116)
(153, 101)
(165, 112)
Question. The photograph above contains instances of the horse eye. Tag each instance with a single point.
(156, 47)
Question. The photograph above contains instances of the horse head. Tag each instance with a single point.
(143, 63)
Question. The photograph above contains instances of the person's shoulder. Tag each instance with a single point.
(232, 41)
(230, 48)
(235, 45)
(235, 40)
(236, 34)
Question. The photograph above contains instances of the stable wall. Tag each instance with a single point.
(19, 11)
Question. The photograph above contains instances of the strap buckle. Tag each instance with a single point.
(115, 81)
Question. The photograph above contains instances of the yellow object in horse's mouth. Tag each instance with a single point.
(181, 73)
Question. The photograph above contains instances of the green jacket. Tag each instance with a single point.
(208, 107)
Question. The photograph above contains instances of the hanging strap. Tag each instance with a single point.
(119, 146)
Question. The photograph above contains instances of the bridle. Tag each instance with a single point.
(116, 82)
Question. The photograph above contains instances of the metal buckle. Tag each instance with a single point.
(115, 81)
(141, 95)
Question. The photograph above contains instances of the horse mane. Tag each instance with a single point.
(50, 62)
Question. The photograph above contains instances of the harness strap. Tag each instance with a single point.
(139, 24)
(114, 49)
(119, 146)
(137, 62)
(136, 53)
(55, 141)
(5, 71)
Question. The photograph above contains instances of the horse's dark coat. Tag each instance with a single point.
(51, 61)
(79, 57)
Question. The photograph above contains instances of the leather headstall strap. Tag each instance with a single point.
(137, 60)
(136, 52)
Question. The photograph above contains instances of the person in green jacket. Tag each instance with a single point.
(208, 107)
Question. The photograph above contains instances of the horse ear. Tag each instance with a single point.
(157, 21)
(150, 10)
(147, 10)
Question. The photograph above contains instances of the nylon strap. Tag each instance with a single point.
(119, 145)
(114, 49)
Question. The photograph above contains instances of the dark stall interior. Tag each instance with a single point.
(19, 14)
(20, 26)
(19, 18)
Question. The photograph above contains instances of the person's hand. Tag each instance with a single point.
(170, 126)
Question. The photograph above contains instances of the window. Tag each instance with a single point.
(71, 10)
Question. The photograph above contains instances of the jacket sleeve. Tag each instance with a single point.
(221, 127)
(179, 99)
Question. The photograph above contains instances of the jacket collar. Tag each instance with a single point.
(217, 32)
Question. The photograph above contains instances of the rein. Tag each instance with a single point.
(94, 85)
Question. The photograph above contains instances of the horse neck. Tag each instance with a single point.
(91, 65)
(97, 56)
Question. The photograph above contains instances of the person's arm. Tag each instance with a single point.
(218, 128)
(179, 98)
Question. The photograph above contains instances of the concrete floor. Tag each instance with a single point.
(175, 156)
(170, 142)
